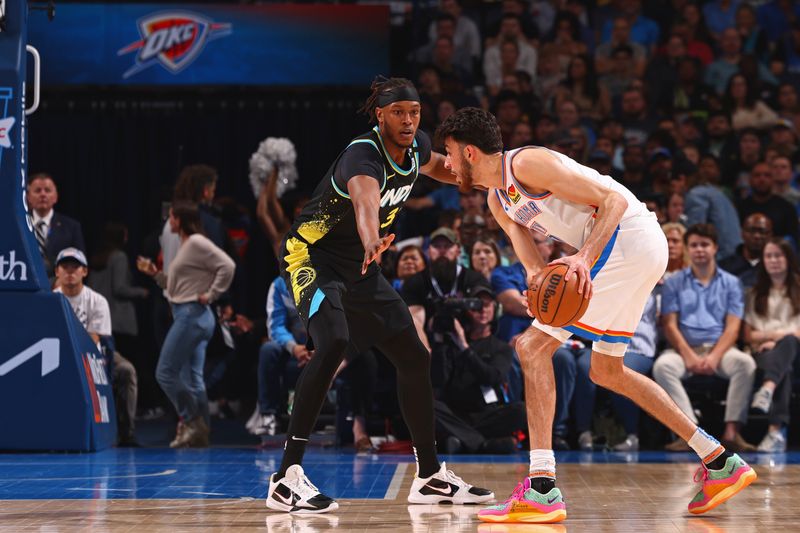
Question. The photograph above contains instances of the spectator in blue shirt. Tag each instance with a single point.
(702, 308)
(508, 283)
(643, 30)
(720, 14)
(706, 203)
(281, 358)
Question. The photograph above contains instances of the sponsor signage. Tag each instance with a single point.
(202, 44)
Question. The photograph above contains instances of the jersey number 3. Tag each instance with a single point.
(390, 218)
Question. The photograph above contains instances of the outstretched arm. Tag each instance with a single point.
(366, 197)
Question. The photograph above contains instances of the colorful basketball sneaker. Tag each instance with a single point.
(527, 506)
(720, 485)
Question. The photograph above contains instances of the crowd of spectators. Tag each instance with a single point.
(692, 106)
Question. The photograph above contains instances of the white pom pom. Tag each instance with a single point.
(272, 152)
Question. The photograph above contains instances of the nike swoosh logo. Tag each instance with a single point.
(286, 501)
(550, 502)
(450, 492)
(390, 176)
(295, 438)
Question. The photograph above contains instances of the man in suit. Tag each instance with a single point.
(54, 231)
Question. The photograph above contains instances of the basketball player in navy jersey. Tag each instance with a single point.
(622, 254)
(328, 262)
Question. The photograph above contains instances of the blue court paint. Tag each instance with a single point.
(237, 473)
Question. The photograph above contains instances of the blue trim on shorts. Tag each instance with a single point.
(583, 333)
(616, 338)
(604, 255)
(316, 301)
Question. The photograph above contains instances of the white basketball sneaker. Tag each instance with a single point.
(446, 487)
(294, 493)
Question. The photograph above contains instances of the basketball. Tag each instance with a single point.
(556, 302)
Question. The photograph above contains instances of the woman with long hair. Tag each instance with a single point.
(771, 328)
(484, 256)
(198, 275)
(744, 106)
(581, 87)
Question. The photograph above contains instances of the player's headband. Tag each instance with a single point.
(398, 94)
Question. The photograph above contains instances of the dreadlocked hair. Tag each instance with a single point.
(381, 84)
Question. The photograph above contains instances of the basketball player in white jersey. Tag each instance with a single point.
(622, 253)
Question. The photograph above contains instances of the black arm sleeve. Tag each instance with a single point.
(424, 147)
(361, 159)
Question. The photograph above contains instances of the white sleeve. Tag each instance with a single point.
(99, 316)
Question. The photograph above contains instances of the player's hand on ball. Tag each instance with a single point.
(577, 265)
(374, 249)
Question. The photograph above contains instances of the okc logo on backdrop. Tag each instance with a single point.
(173, 39)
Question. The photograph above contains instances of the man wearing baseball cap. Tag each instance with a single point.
(445, 278)
(474, 414)
(91, 309)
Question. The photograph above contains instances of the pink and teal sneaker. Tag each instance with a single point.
(527, 506)
(720, 485)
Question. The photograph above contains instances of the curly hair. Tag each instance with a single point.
(472, 125)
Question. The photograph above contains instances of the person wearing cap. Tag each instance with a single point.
(474, 414)
(92, 311)
(784, 136)
(444, 278)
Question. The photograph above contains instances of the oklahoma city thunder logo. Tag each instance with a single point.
(174, 39)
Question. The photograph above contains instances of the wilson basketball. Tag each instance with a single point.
(556, 302)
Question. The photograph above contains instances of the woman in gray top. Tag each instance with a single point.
(198, 275)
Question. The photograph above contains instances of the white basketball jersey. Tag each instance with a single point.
(566, 221)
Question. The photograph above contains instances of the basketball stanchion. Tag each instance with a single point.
(55, 391)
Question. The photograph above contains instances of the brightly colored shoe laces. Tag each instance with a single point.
(527, 506)
(720, 485)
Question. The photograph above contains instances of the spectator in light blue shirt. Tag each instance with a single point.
(702, 308)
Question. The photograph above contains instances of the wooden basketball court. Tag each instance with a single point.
(223, 490)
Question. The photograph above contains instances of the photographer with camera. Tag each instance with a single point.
(454, 310)
(437, 292)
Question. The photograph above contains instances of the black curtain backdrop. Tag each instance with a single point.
(115, 154)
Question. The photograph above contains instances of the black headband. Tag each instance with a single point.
(398, 94)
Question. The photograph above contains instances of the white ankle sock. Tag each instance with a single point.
(543, 463)
(704, 444)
